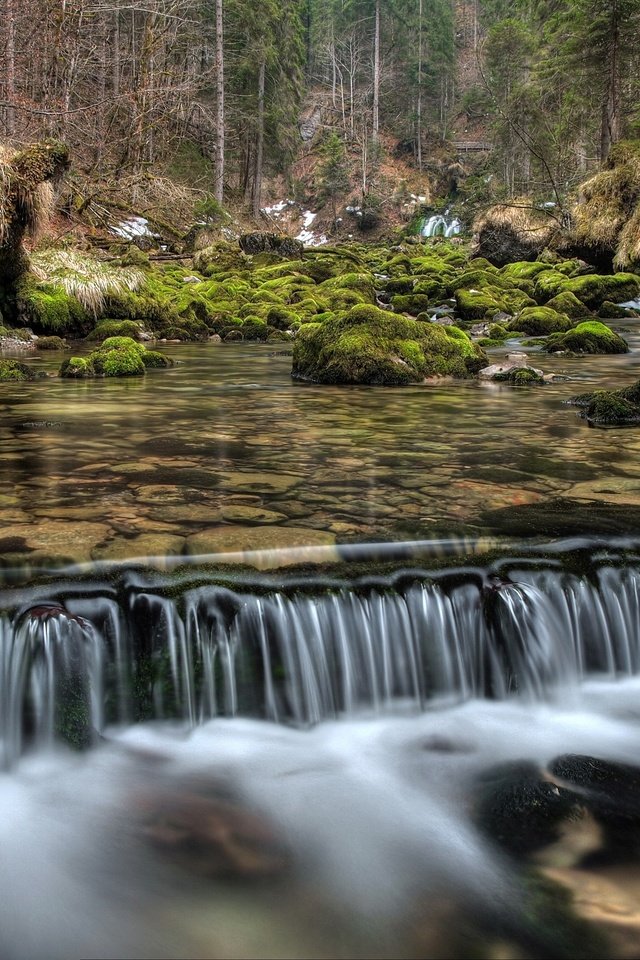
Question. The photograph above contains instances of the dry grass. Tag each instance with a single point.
(607, 213)
(522, 217)
(86, 278)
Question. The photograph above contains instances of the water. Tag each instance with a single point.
(441, 225)
(225, 451)
(278, 751)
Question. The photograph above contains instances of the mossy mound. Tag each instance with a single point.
(567, 303)
(589, 337)
(539, 322)
(611, 311)
(520, 377)
(48, 308)
(115, 328)
(50, 343)
(611, 408)
(371, 346)
(116, 357)
(593, 290)
(14, 370)
(479, 304)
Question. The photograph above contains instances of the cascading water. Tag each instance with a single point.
(302, 656)
(440, 225)
(323, 744)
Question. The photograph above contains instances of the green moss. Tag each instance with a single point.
(608, 408)
(611, 311)
(360, 283)
(524, 269)
(414, 303)
(369, 345)
(567, 303)
(154, 360)
(594, 290)
(114, 328)
(77, 368)
(588, 337)
(519, 377)
(47, 307)
(14, 370)
(539, 322)
(479, 305)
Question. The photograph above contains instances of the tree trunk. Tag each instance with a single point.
(610, 130)
(10, 68)
(376, 76)
(419, 105)
(220, 142)
(257, 183)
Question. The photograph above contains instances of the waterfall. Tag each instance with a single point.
(440, 225)
(73, 662)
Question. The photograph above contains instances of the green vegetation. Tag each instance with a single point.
(368, 345)
(589, 337)
(116, 357)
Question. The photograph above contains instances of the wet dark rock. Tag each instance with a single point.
(610, 408)
(519, 809)
(258, 242)
(611, 791)
(561, 517)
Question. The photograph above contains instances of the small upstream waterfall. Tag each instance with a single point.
(440, 225)
(131, 653)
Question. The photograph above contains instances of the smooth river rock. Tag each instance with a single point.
(264, 547)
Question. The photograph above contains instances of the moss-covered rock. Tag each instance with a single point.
(14, 370)
(611, 311)
(369, 345)
(50, 343)
(114, 328)
(593, 290)
(567, 303)
(48, 308)
(540, 321)
(116, 357)
(479, 304)
(520, 377)
(589, 337)
(611, 408)
(77, 368)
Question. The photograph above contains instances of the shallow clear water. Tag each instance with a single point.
(225, 451)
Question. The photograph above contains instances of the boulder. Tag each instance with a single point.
(286, 247)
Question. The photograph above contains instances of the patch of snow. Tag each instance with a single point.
(134, 227)
(279, 207)
(308, 218)
(310, 239)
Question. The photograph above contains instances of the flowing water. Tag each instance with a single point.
(219, 756)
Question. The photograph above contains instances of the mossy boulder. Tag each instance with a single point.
(520, 377)
(479, 304)
(567, 303)
(114, 328)
(539, 322)
(611, 408)
(589, 337)
(593, 290)
(371, 346)
(50, 343)
(14, 370)
(611, 311)
(116, 357)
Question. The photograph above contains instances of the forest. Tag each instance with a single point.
(210, 93)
